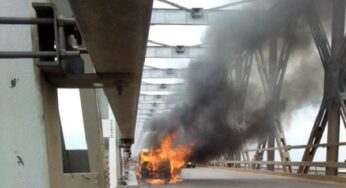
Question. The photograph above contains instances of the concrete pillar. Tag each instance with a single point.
(119, 162)
(24, 158)
(115, 152)
(113, 155)
(53, 134)
(114, 149)
(93, 133)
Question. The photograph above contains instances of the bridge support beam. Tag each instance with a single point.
(93, 127)
(30, 133)
(333, 61)
(271, 153)
(338, 32)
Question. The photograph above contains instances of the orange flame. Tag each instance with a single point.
(155, 181)
(154, 159)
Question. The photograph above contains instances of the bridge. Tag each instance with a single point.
(101, 50)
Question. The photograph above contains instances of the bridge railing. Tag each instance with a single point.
(251, 164)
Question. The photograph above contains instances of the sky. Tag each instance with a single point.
(297, 131)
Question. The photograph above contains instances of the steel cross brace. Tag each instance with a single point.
(272, 78)
(333, 106)
(242, 67)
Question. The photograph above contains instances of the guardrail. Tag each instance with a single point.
(288, 147)
(251, 164)
(314, 164)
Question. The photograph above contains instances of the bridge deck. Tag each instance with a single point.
(210, 177)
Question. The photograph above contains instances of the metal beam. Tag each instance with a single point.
(87, 80)
(175, 51)
(160, 87)
(152, 52)
(145, 97)
(152, 101)
(143, 116)
(38, 54)
(159, 17)
(315, 164)
(289, 147)
(338, 30)
(315, 137)
(34, 21)
(155, 105)
(318, 33)
(178, 51)
(272, 73)
(163, 73)
(182, 17)
(152, 111)
(259, 154)
(271, 154)
(331, 60)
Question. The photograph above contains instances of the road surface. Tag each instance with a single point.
(208, 177)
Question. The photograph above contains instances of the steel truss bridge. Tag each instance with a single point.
(88, 63)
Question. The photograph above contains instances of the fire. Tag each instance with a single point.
(163, 165)
(155, 181)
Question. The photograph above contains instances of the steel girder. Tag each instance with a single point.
(332, 106)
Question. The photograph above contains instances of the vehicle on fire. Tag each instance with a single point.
(147, 171)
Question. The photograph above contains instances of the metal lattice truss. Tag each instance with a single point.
(159, 98)
(192, 16)
(271, 68)
(161, 95)
(146, 87)
(163, 73)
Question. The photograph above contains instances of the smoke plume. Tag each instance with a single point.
(217, 114)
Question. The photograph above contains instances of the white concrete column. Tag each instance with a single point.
(109, 133)
(114, 150)
(112, 155)
(23, 148)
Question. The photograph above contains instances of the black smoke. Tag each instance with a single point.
(212, 114)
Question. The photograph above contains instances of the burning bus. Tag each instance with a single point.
(162, 165)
